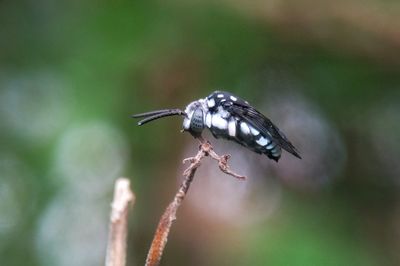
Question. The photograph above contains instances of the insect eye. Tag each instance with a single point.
(196, 123)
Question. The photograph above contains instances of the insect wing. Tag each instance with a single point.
(261, 123)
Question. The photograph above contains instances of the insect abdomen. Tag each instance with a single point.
(251, 138)
(232, 128)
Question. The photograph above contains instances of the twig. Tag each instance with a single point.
(116, 247)
(223, 163)
(161, 235)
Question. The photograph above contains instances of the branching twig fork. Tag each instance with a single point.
(163, 228)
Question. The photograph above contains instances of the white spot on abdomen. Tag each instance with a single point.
(275, 152)
(220, 96)
(219, 122)
(244, 128)
(232, 127)
(254, 131)
(262, 141)
(233, 98)
(271, 145)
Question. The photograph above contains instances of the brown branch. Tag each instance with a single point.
(116, 247)
(161, 235)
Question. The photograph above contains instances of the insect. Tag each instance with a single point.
(228, 116)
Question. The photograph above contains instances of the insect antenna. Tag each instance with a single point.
(156, 112)
(153, 115)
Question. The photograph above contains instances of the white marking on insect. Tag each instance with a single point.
(208, 120)
(244, 128)
(233, 98)
(271, 145)
(203, 104)
(224, 114)
(220, 96)
(232, 127)
(219, 122)
(186, 123)
(275, 152)
(254, 131)
(262, 141)
(211, 103)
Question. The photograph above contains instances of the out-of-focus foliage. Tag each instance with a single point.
(71, 73)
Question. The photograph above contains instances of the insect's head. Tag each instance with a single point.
(195, 117)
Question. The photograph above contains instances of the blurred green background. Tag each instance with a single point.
(327, 73)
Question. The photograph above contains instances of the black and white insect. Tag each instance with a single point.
(229, 117)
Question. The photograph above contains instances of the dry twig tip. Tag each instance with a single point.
(116, 247)
(164, 226)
